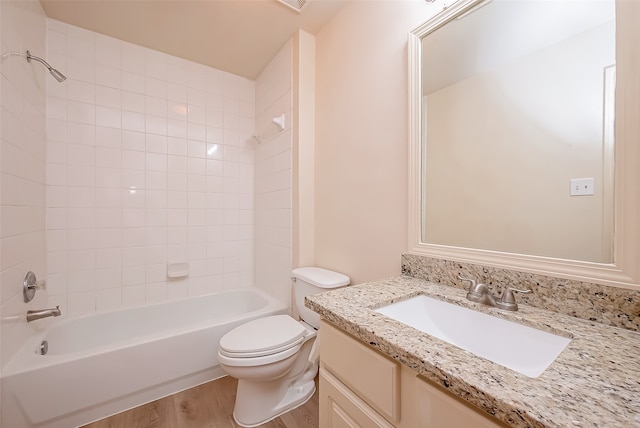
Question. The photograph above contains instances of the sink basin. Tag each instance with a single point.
(518, 347)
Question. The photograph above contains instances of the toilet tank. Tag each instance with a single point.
(312, 280)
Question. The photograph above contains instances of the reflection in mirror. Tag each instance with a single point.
(517, 101)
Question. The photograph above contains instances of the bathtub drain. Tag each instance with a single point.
(44, 347)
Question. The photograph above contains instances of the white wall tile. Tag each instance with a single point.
(133, 101)
(156, 292)
(56, 174)
(80, 239)
(108, 258)
(273, 221)
(133, 275)
(132, 121)
(133, 58)
(107, 75)
(56, 218)
(156, 273)
(108, 51)
(145, 158)
(108, 117)
(156, 180)
(81, 281)
(133, 217)
(133, 296)
(133, 256)
(196, 131)
(108, 137)
(80, 155)
(109, 237)
(81, 303)
(108, 299)
(110, 278)
(108, 177)
(177, 129)
(82, 92)
(108, 97)
(80, 133)
(156, 125)
(79, 175)
(108, 218)
(156, 143)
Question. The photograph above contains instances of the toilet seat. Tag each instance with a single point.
(263, 337)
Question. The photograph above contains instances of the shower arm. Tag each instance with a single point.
(55, 73)
(40, 60)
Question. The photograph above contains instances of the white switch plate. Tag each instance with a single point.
(581, 186)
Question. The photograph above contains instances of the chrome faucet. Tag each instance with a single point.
(43, 313)
(480, 293)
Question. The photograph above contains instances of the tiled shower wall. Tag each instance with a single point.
(273, 222)
(22, 166)
(148, 163)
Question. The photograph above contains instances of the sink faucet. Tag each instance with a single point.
(43, 313)
(480, 293)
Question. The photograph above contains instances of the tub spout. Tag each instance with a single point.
(43, 313)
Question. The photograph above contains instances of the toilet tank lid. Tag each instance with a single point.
(322, 278)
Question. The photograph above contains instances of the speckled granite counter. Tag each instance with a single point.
(595, 382)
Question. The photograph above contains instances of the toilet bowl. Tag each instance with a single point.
(275, 358)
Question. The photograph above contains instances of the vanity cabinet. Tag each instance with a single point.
(361, 387)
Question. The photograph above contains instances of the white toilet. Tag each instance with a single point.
(272, 357)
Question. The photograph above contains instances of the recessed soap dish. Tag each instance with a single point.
(177, 270)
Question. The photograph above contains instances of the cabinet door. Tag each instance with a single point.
(341, 408)
(439, 409)
(371, 375)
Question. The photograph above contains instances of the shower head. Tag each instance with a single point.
(55, 73)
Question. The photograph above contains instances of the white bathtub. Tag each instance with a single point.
(102, 364)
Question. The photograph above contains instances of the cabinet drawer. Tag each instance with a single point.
(371, 375)
(439, 409)
(341, 408)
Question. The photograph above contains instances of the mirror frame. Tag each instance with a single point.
(624, 272)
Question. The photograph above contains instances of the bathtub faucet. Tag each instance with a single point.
(43, 313)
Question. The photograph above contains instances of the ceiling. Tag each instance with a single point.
(238, 36)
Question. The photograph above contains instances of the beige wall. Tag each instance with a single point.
(304, 72)
(361, 137)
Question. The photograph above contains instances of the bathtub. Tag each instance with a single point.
(102, 364)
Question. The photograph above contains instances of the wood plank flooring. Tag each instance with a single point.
(209, 405)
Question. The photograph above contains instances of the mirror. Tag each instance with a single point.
(514, 109)
(512, 114)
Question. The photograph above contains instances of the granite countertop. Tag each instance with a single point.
(594, 382)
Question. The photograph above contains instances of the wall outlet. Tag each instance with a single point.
(581, 186)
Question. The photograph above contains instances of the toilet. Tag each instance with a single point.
(275, 358)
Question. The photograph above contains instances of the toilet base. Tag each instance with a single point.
(260, 402)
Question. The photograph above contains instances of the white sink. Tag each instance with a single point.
(518, 347)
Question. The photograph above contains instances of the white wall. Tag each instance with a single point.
(361, 137)
(273, 182)
(22, 168)
(147, 163)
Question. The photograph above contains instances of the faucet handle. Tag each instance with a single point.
(472, 282)
(30, 285)
(476, 289)
(508, 298)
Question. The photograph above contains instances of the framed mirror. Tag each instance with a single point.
(520, 114)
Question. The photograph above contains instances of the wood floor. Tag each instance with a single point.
(206, 406)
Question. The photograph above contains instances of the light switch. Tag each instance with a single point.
(581, 186)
